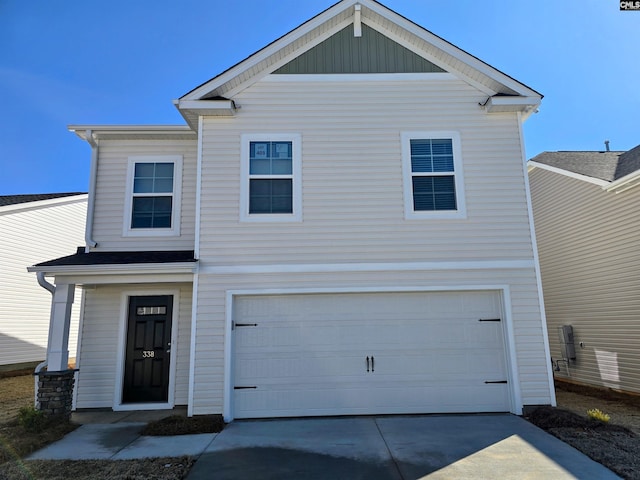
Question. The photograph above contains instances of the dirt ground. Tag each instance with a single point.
(15, 393)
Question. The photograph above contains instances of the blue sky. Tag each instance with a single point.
(123, 62)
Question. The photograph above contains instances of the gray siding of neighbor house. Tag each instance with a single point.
(370, 53)
(590, 262)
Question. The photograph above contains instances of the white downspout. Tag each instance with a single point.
(52, 289)
(93, 173)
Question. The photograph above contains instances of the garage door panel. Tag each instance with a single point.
(307, 354)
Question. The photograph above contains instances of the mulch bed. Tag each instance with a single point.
(178, 425)
(615, 447)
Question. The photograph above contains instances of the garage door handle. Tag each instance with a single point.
(499, 381)
(367, 364)
(373, 364)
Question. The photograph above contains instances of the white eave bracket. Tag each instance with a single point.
(357, 20)
(511, 103)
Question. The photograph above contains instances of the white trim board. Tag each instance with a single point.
(359, 78)
(366, 267)
(508, 331)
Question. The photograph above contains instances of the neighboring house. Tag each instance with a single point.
(33, 228)
(585, 206)
(342, 227)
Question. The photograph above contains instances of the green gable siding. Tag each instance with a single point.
(371, 53)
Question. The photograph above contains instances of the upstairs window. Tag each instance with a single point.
(433, 175)
(153, 204)
(271, 183)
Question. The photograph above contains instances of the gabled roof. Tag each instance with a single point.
(600, 165)
(215, 97)
(36, 197)
(614, 171)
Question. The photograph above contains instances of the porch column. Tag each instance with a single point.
(59, 323)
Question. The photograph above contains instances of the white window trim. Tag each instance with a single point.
(296, 140)
(174, 231)
(409, 212)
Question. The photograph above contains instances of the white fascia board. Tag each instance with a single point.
(269, 50)
(208, 107)
(596, 181)
(52, 202)
(97, 130)
(451, 49)
(624, 183)
(118, 269)
(496, 104)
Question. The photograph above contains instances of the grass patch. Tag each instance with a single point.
(144, 469)
(16, 441)
(179, 425)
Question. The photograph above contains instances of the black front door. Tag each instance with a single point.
(146, 375)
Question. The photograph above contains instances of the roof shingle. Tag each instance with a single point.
(608, 166)
(16, 199)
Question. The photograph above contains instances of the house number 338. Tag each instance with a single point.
(148, 354)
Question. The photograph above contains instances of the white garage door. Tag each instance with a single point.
(373, 353)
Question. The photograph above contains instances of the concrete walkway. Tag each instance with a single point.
(372, 448)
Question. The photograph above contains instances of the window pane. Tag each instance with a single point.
(144, 170)
(164, 170)
(259, 150)
(443, 163)
(163, 185)
(271, 196)
(153, 178)
(429, 155)
(442, 146)
(143, 185)
(260, 166)
(281, 149)
(270, 158)
(151, 212)
(434, 193)
(281, 166)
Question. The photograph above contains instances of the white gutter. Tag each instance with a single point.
(93, 173)
(44, 284)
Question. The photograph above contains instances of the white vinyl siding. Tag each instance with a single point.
(32, 235)
(352, 178)
(589, 259)
(522, 307)
(111, 211)
(96, 381)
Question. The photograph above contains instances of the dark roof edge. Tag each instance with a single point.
(120, 258)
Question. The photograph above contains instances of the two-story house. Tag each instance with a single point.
(341, 227)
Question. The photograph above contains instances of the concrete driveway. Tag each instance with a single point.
(393, 448)
(372, 448)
